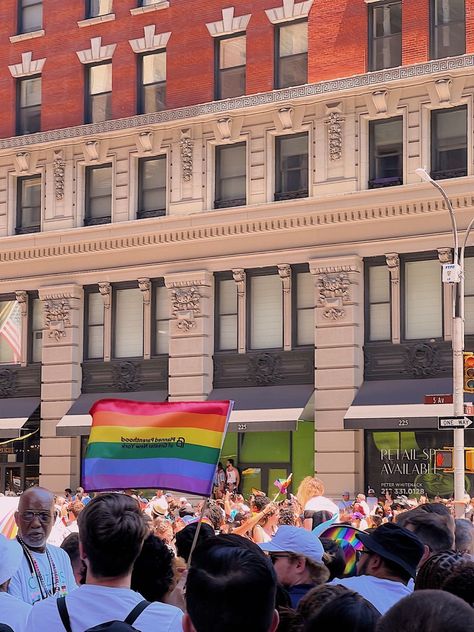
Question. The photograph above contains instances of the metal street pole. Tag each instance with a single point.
(457, 347)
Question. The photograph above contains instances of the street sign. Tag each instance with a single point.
(453, 423)
(438, 399)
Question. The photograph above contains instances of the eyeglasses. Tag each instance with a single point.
(277, 556)
(44, 516)
(361, 552)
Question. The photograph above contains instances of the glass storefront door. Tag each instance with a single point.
(11, 478)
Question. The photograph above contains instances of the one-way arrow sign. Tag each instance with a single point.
(450, 423)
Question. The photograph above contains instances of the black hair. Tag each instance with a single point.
(461, 582)
(153, 573)
(231, 461)
(431, 527)
(334, 560)
(215, 515)
(395, 569)
(436, 570)
(320, 516)
(260, 502)
(111, 531)
(345, 612)
(185, 537)
(230, 588)
(70, 544)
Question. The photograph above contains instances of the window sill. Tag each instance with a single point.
(26, 36)
(147, 214)
(97, 221)
(448, 173)
(161, 4)
(27, 230)
(291, 195)
(109, 17)
(380, 183)
(230, 203)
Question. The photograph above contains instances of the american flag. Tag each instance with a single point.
(10, 327)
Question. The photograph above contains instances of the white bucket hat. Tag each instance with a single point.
(10, 558)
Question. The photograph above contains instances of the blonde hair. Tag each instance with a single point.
(309, 488)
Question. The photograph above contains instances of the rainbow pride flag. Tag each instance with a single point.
(172, 445)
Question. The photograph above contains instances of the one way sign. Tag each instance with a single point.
(453, 423)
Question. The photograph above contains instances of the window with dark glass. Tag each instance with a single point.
(291, 173)
(99, 93)
(385, 35)
(29, 105)
(94, 319)
(152, 82)
(28, 206)
(152, 187)
(230, 66)
(385, 152)
(30, 16)
(231, 173)
(95, 8)
(448, 28)
(98, 199)
(378, 304)
(449, 143)
(291, 54)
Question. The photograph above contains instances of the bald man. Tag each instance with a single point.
(45, 569)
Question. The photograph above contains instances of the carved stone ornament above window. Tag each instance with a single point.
(56, 317)
(423, 360)
(96, 52)
(27, 66)
(23, 161)
(105, 290)
(229, 24)
(59, 166)
(334, 294)
(393, 264)
(289, 10)
(265, 369)
(145, 286)
(186, 147)
(185, 306)
(126, 376)
(7, 382)
(149, 41)
(22, 300)
(334, 127)
(445, 255)
(91, 150)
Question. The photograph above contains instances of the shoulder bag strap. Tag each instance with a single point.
(63, 613)
(136, 612)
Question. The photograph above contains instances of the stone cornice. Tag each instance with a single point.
(323, 88)
(172, 230)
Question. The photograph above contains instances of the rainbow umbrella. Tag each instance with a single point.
(8, 526)
(345, 536)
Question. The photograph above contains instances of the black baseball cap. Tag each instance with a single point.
(396, 544)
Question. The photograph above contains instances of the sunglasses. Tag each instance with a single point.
(277, 556)
(360, 553)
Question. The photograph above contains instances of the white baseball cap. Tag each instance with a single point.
(10, 558)
(295, 540)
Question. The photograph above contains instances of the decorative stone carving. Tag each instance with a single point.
(126, 376)
(265, 369)
(91, 150)
(56, 317)
(224, 126)
(443, 90)
(334, 125)
(289, 10)
(22, 300)
(105, 290)
(423, 360)
(7, 382)
(393, 264)
(27, 66)
(240, 279)
(286, 117)
(379, 97)
(149, 41)
(145, 141)
(186, 146)
(185, 306)
(229, 23)
(96, 52)
(22, 160)
(333, 294)
(145, 286)
(284, 270)
(59, 170)
(445, 255)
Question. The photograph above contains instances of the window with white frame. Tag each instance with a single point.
(230, 66)
(304, 308)
(291, 166)
(386, 152)
(423, 298)
(98, 194)
(161, 319)
(98, 92)
(151, 187)
(152, 82)
(291, 54)
(379, 305)
(94, 316)
(231, 175)
(128, 323)
(28, 205)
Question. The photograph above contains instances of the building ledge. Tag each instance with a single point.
(109, 17)
(161, 4)
(21, 37)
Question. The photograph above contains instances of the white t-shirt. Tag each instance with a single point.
(90, 605)
(320, 503)
(24, 583)
(14, 612)
(382, 593)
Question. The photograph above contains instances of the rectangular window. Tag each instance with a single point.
(385, 35)
(291, 172)
(128, 330)
(10, 332)
(36, 331)
(227, 320)
(449, 143)
(29, 105)
(28, 205)
(304, 308)
(30, 16)
(95, 8)
(448, 28)
(95, 326)
(98, 202)
(152, 82)
(99, 93)
(162, 320)
(385, 153)
(469, 296)
(266, 312)
(231, 175)
(423, 300)
(291, 63)
(152, 187)
(379, 316)
(230, 67)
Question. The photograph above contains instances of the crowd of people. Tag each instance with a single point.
(120, 561)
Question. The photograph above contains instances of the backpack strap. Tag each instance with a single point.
(136, 612)
(63, 613)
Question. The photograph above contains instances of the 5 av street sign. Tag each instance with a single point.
(453, 423)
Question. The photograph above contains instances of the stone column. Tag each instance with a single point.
(393, 263)
(60, 382)
(191, 343)
(339, 365)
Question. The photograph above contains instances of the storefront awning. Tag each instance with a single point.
(14, 413)
(77, 421)
(398, 404)
(267, 408)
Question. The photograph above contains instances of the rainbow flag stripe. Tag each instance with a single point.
(172, 445)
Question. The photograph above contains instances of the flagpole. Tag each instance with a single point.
(198, 529)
